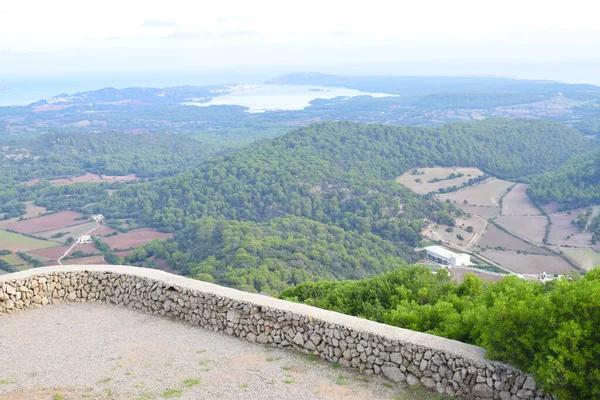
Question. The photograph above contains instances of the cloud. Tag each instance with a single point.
(157, 23)
(183, 34)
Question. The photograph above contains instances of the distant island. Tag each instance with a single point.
(2, 87)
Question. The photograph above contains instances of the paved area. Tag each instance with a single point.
(74, 351)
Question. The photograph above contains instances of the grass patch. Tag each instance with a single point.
(105, 380)
(201, 351)
(341, 380)
(190, 382)
(6, 381)
(388, 385)
(172, 393)
(273, 359)
(287, 367)
(288, 380)
(336, 365)
(312, 358)
(244, 385)
(58, 396)
(206, 365)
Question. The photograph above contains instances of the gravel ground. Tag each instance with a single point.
(75, 351)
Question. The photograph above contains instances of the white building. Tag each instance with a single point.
(445, 256)
(98, 217)
(84, 239)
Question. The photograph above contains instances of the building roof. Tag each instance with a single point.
(441, 251)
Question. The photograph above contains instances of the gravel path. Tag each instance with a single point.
(104, 352)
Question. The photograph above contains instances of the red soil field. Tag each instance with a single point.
(46, 223)
(96, 260)
(87, 248)
(123, 253)
(135, 238)
(103, 230)
(52, 253)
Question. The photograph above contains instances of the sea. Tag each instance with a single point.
(23, 90)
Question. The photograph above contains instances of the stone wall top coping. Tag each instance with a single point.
(474, 353)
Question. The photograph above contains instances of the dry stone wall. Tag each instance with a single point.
(444, 365)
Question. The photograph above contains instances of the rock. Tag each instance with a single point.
(8, 304)
(505, 395)
(412, 380)
(482, 390)
(396, 358)
(251, 337)
(315, 338)
(36, 299)
(71, 296)
(233, 316)
(393, 373)
(529, 384)
(262, 338)
(428, 382)
(298, 339)
(10, 290)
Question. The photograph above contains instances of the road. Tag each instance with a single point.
(59, 261)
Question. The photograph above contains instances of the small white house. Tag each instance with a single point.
(98, 217)
(445, 256)
(84, 239)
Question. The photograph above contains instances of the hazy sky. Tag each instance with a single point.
(529, 38)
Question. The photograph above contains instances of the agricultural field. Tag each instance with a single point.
(135, 238)
(487, 193)
(496, 237)
(31, 211)
(46, 223)
(92, 178)
(529, 263)
(485, 212)
(470, 238)
(49, 254)
(16, 261)
(15, 242)
(562, 227)
(103, 230)
(458, 274)
(71, 231)
(516, 202)
(92, 260)
(586, 258)
(424, 175)
(531, 228)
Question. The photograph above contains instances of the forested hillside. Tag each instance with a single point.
(547, 329)
(576, 184)
(271, 256)
(343, 173)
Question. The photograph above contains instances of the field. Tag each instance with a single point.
(104, 230)
(529, 263)
(532, 228)
(458, 274)
(15, 242)
(92, 178)
(470, 239)
(427, 174)
(31, 211)
(487, 193)
(135, 238)
(97, 260)
(561, 228)
(485, 212)
(49, 254)
(72, 231)
(586, 258)
(495, 237)
(45, 223)
(516, 202)
(16, 261)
